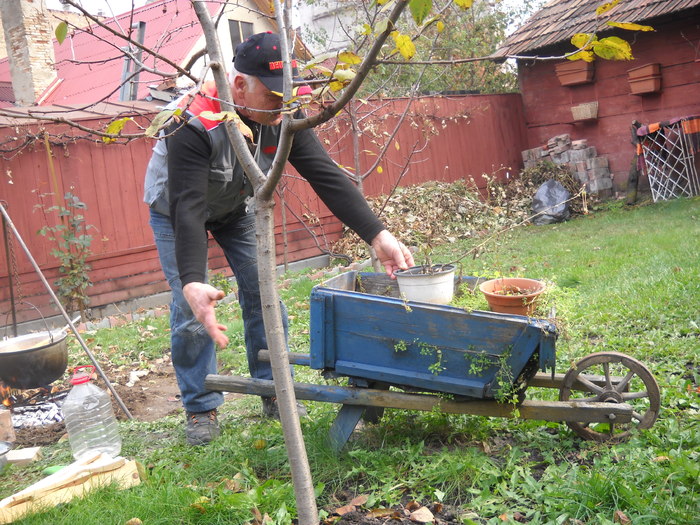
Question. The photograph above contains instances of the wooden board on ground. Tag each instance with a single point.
(75, 480)
(22, 456)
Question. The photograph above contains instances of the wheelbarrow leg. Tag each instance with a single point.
(345, 422)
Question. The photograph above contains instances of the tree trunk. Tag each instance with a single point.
(284, 385)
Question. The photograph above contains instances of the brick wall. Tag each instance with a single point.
(29, 43)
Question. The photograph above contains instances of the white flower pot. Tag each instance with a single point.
(435, 286)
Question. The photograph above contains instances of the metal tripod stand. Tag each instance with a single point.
(7, 222)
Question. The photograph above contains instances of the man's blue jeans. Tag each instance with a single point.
(193, 352)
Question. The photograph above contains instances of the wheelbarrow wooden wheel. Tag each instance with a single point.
(618, 379)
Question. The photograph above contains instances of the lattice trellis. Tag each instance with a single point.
(669, 161)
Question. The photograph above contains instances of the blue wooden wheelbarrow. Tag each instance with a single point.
(411, 355)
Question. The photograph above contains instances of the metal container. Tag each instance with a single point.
(5, 447)
(33, 360)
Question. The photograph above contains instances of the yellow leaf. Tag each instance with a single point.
(324, 70)
(344, 75)
(380, 169)
(404, 44)
(366, 30)
(160, 120)
(115, 128)
(630, 26)
(613, 48)
(218, 117)
(349, 58)
(586, 56)
(583, 40)
(440, 26)
(336, 86)
(396, 145)
(606, 7)
(243, 128)
(228, 116)
(464, 4)
(199, 504)
(61, 32)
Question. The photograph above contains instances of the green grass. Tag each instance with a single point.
(627, 280)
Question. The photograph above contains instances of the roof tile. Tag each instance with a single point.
(559, 20)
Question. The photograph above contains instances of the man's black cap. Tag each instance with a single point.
(261, 57)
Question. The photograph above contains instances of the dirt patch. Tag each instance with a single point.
(153, 397)
(39, 436)
(408, 512)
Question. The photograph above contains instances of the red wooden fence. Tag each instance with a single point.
(468, 136)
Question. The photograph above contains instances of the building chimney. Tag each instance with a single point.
(29, 41)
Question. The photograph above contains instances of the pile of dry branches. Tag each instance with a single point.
(436, 213)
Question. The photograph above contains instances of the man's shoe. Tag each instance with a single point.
(202, 427)
(272, 409)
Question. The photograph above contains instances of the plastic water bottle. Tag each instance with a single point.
(89, 417)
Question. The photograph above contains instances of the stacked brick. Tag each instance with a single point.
(581, 159)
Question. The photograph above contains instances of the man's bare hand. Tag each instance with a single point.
(391, 253)
(202, 299)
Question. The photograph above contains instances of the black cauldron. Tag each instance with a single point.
(33, 360)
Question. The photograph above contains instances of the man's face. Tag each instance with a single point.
(257, 101)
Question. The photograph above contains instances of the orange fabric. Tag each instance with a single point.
(691, 126)
(654, 127)
(203, 103)
(639, 149)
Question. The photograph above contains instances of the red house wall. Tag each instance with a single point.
(473, 135)
(674, 45)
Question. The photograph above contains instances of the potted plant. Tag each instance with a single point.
(428, 283)
(512, 295)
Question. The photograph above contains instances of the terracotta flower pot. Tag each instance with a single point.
(645, 79)
(512, 295)
(647, 70)
(573, 73)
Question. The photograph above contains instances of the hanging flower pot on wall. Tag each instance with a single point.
(645, 79)
(575, 72)
(585, 111)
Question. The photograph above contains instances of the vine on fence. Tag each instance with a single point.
(72, 250)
